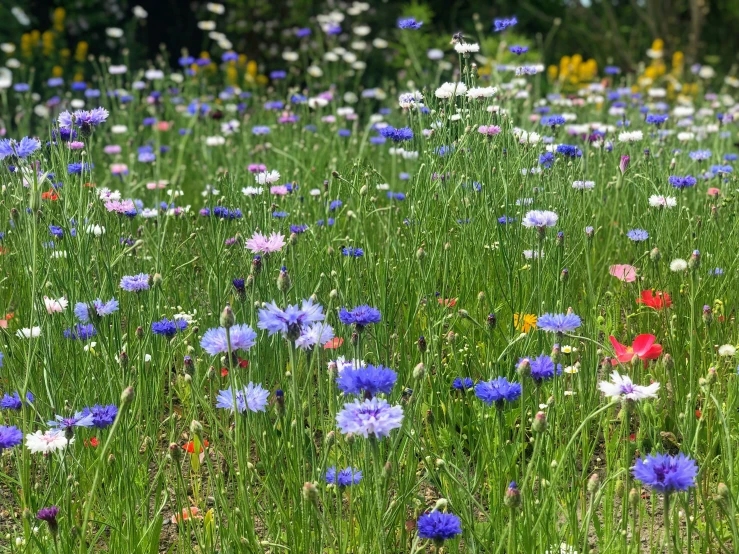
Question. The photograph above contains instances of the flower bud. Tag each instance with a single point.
(539, 425)
(711, 377)
(127, 396)
(422, 346)
(695, 260)
(227, 317)
(633, 497)
(419, 371)
(655, 255)
(512, 496)
(524, 368)
(707, 314)
(492, 321)
(156, 280)
(283, 280)
(441, 505)
(310, 493)
(196, 428)
(420, 254)
(593, 483)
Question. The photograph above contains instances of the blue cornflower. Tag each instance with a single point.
(638, 235)
(611, 70)
(553, 120)
(666, 474)
(277, 74)
(463, 383)
(297, 229)
(395, 195)
(330, 221)
(397, 135)
(290, 321)
(80, 331)
(10, 436)
(22, 149)
(100, 309)
(682, 182)
(438, 526)
(546, 159)
(361, 316)
(368, 379)
(260, 130)
(721, 169)
(77, 420)
(76, 168)
(700, 155)
(443, 150)
(371, 417)
(497, 391)
(252, 397)
(716, 272)
(542, 367)
(214, 340)
(352, 252)
(135, 283)
(345, 132)
(558, 323)
(409, 23)
(731, 157)
(657, 119)
(569, 150)
(280, 215)
(168, 328)
(335, 205)
(56, 231)
(13, 401)
(303, 32)
(102, 416)
(502, 24)
(518, 50)
(504, 220)
(343, 478)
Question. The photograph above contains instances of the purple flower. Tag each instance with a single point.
(317, 333)
(368, 379)
(102, 416)
(409, 23)
(99, 308)
(518, 50)
(497, 391)
(22, 149)
(77, 420)
(438, 526)
(371, 417)
(558, 323)
(135, 283)
(48, 515)
(503, 23)
(13, 401)
(214, 340)
(397, 135)
(343, 478)
(361, 316)
(291, 320)
(252, 397)
(80, 331)
(540, 219)
(542, 367)
(624, 164)
(682, 182)
(9, 437)
(700, 155)
(168, 328)
(665, 473)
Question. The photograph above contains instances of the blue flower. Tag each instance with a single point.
(657, 119)
(502, 24)
(371, 417)
(13, 401)
(397, 135)
(438, 526)
(368, 379)
(214, 340)
(77, 420)
(135, 283)
(558, 323)
(553, 120)
(665, 473)
(542, 367)
(463, 383)
(291, 320)
(352, 252)
(100, 309)
(168, 328)
(335, 205)
(518, 50)
(81, 332)
(700, 155)
(682, 182)
(102, 416)
(361, 316)
(569, 151)
(409, 23)
(10, 436)
(638, 235)
(497, 391)
(343, 478)
(252, 397)
(546, 159)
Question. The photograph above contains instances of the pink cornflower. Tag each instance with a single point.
(266, 245)
(156, 185)
(713, 191)
(119, 169)
(163, 126)
(76, 145)
(624, 272)
(279, 190)
(112, 149)
(257, 168)
(120, 206)
(488, 130)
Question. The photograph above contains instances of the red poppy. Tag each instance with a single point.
(655, 299)
(698, 414)
(187, 513)
(190, 447)
(448, 302)
(90, 185)
(50, 195)
(92, 442)
(243, 363)
(643, 347)
(333, 343)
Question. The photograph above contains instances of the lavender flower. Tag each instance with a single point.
(135, 283)
(409, 23)
(318, 333)
(343, 478)
(102, 416)
(361, 316)
(368, 379)
(291, 320)
(638, 235)
(252, 397)
(13, 401)
(79, 419)
(10, 436)
(371, 417)
(214, 340)
(80, 331)
(539, 219)
(558, 323)
(543, 368)
(85, 312)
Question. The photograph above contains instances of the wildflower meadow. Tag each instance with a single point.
(485, 305)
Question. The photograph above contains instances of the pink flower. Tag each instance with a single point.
(533, 118)
(119, 169)
(112, 149)
(713, 191)
(55, 306)
(257, 168)
(278, 190)
(76, 145)
(489, 130)
(624, 272)
(120, 206)
(156, 185)
(163, 126)
(266, 245)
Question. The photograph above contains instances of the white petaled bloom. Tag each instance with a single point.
(531, 254)
(380, 43)
(26, 333)
(290, 56)
(583, 185)
(140, 12)
(212, 7)
(252, 191)
(267, 177)
(540, 219)
(315, 71)
(96, 230)
(317, 102)
(46, 442)
(362, 30)
(657, 201)
(726, 350)
(630, 136)
(482, 92)
(449, 90)
(685, 136)
(215, 141)
(117, 69)
(435, 54)
(118, 129)
(114, 32)
(409, 99)
(467, 47)
(678, 264)
(622, 387)
(207, 25)
(55, 306)
(107, 194)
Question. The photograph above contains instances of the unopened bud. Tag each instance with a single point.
(539, 425)
(310, 493)
(227, 317)
(127, 396)
(512, 496)
(196, 428)
(422, 345)
(593, 483)
(419, 371)
(283, 280)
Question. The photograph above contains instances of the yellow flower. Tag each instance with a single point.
(58, 19)
(524, 323)
(552, 72)
(232, 74)
(57, 71)
(242, 60)
(81, 53)
(262, 80)
(251, 68)
(65, 52)
(658, 45)
(48, 40)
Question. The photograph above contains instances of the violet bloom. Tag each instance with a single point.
(373, 417)
(438, 526)
(540, 219)
(368, 379)
(97, 307)
(13, 401)
(102, 416)
(259, 243)
(10, 436)
(214, 340)
(343, 478)
(666, 474)
(252, 397)
(558, 323)
(622, 387)
(135, 283)
(316, 334)
(291, 321)
(79, 419)
(361, 316)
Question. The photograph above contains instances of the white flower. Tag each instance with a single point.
(207, 25)
(107, 194)
(96, 230)
(215, 141)
(362, 30)
(315, 71)
(435, 54)
(6, 78)
(267, 177)
(114, 32)
(315, 192)
(78, 103)
(529, 254)
(685, 136)
(466, 48)
(657, 92)
(20, 15)
(13, 63)
(154, 74)
(27, 333)
(706, 72)
(7, 47)
(140, 12)
(448, 90)
(117, 69)
(55, 306)
(252, 191)
(212, 7)
(630, 136)
(118, 129)
(50, 441)
(331, 57)
(409, 99)
(482, 92)
(148, 213)
(678, 264)
(726, 350)
(622, 387)
(583, 185)
(290, 56)
(657, 201)
(380, 43)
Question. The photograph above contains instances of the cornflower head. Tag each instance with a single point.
(13, 401)
(665, 473)
(558, 323)
(10, 436)
(368, 379)
(498, 391)
(360, 317)
(252, 397)
(369, 418)
(168, 328)
(344, 477)
(216, 340)
(102, 416)
(96, 308)
(621, 386)
(135, 283)
(291, 321)
(438, 526)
